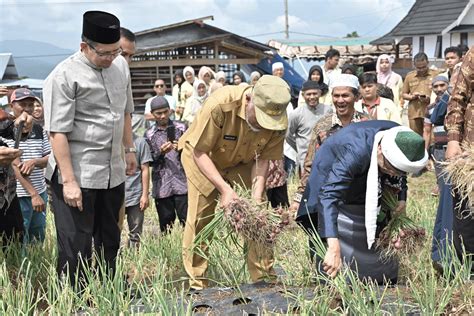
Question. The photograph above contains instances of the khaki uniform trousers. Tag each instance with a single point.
(416, 124)
(200, 211)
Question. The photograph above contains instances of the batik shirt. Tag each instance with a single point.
(167, 175)
(328, 125)
(459, 121)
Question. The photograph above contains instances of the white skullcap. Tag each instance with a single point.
(344, 80)
(277, 65)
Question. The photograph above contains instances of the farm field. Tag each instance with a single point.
(156, 280)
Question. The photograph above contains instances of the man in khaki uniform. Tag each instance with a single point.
(417, 91)
(237, 131)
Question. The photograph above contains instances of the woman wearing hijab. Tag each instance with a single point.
(316, 74)
(221, 78)
(207, 75)
(254, 76)
(187, 89)
(176, 93)
(200, 95)
(386, 76)
(238, 77)
(218, 83)
(349, 69)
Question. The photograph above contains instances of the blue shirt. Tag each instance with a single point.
(339, 173)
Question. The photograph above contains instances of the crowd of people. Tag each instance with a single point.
(343, 140)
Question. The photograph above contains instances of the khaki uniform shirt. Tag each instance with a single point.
(414, 83)
(88, 105)
(459, 121)
(221, 131)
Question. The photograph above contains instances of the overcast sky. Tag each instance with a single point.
(59, 21)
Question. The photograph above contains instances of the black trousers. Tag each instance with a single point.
(75, 229)
(278, 196)
(170, 207)
(11, 224)
(463, 230)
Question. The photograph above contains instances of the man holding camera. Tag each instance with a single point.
(168, 178)
(417, 91)
(11, 219)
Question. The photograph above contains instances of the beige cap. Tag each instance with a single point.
(271, 96)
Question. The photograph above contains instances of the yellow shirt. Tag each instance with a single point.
(221, 131)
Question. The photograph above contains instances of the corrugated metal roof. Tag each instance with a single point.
(347, 41)
(348, 47)
(33, 84)
(426, 17)
(188, 33)
(7, 67)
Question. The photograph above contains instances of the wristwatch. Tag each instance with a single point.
(297, 197)
(130, 150)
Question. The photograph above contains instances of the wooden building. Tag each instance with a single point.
(163, 50)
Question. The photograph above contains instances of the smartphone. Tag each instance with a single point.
(170, 133)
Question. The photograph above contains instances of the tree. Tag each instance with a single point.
(353, 34)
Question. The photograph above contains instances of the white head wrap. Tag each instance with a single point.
(397, 158)
(344, 80)
(277, 65)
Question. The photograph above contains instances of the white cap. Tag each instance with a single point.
(344, 80)
(277, 65)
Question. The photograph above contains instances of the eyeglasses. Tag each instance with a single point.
(105, 54)
(159, 85)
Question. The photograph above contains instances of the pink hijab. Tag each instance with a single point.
(384, 77)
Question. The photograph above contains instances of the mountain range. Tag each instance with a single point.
(34, 59)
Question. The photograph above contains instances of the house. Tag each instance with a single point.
(433, 25)
(9, 77)
(7, 67)
(163, 50)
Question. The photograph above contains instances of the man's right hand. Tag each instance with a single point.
(166, 147)
(294, 208)
(227, 196)
(332, 261)
(72, 194)
(7, 155)
(453, 149)
(415, 95)
(3, 91)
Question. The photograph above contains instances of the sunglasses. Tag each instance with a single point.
(159, 85)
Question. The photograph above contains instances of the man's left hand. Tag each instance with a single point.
(401, 207)
(144, 202)
(27, 167)
(131, 161)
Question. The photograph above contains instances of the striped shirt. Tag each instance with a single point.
(34, 147)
